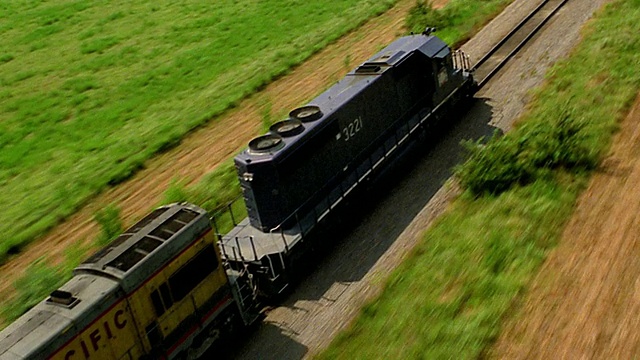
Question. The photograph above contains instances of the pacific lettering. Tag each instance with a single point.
(95, 337)
(119, 321)
(107, 330)
(84, 349)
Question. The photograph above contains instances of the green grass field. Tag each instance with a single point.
(449, 299)
(90, 90)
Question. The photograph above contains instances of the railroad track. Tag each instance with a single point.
(511, 43)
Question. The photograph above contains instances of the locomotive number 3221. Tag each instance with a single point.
(352, 129)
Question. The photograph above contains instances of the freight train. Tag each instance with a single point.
(171, 285)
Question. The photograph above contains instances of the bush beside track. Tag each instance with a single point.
(90, 91)
(449, 298)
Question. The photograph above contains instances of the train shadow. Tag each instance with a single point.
(277, 343)
(394, 202)
(372, 228)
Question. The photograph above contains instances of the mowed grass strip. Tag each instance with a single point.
(449, 298)
(90, 90)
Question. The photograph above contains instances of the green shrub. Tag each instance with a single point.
(527, 154)
(493, 167)
(423, 15)
(457, 21)
(5, 58)
(216, 189)
(176, 192)
(39, 280)
(110, 223)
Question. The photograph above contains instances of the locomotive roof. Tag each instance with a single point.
(430, 46)
(43, 328)
(352, 84)
(154, 239)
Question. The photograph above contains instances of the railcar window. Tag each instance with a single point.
(104, 251)
(157, 303)
(127, 259)
(174, 224)
(135, 253)
(166, 296)
(186, 216)
(146, 220)
(165, 232)
(147, 244)
(193, 273)
(443, 65)
(153, 334)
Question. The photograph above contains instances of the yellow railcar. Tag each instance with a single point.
(158, 291)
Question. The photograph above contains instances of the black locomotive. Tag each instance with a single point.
(293, 177)
(324, 148)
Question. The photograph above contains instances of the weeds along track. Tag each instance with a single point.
(515, 40)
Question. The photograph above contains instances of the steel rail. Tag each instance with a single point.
(519, 46)
(509, 35)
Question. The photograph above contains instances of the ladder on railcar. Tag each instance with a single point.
(461, 61)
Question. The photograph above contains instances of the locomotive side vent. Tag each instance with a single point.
(286, 128)
(387, 59)
(306, 113)
(63, 298)
(368, 69)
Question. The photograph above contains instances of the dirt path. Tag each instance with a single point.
(206, 148)
(585, 302)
